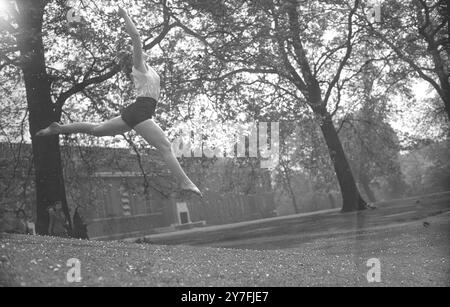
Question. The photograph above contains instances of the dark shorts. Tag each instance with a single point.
(138, 112)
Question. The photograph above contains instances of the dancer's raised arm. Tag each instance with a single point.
(138, 53)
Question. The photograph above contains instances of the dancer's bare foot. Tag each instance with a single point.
(188, 189)
(53, 129)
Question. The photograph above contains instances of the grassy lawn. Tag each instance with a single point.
(411, 254)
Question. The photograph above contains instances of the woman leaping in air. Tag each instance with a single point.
(137, 116)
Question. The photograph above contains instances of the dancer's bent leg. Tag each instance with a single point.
(111, 127)
(155, 136)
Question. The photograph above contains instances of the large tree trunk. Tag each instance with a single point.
(445, 84)
(445, 94)
(46, 152)
(352, 200)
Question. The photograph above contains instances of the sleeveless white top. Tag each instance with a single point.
(148, 84)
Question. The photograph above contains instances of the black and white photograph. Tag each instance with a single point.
(224, 149)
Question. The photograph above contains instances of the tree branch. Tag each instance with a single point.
(344, 61)
(296, 78)
(81, 86)
(232, 73)
(415, 67)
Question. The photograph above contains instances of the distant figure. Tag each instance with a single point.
(58, 225)
(80, 230)
(31, 227)
(20, 226)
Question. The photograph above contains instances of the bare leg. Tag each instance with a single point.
(155, 136)
(111, 127)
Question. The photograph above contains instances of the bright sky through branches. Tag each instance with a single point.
(3, 9)
(96, 15)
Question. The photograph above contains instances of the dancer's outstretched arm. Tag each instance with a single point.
(138, 53)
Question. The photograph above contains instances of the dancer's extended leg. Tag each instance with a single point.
(155, 136)
(111, 127)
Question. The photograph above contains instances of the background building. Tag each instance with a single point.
(122, 194)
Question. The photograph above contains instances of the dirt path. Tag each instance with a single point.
(293, 231)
